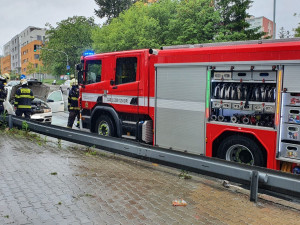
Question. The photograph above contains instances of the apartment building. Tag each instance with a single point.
(29, 58)
(20, 50)
(264, 24)
(6, 59)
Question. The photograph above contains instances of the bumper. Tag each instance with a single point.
(42, 117)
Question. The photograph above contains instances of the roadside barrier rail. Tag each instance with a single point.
(255, 177)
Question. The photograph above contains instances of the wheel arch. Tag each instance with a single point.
(100, 110)
(228, 133)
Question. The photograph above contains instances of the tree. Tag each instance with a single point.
(112, 8)
(233, 24)
(30, 69)
(195, 22)
(165, 22)
(72, 37)
(297, 31)
(133, 29)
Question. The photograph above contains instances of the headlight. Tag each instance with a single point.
(47, 110)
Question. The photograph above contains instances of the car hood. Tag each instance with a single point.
(39, 90)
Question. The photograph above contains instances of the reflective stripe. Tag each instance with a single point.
(76, 108)
(74, 98)
(24, 106)
(25, 96)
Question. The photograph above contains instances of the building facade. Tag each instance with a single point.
(6, 59)
(20, 50)
(264, 24)
(30, 58)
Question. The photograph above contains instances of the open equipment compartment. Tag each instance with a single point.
(243, 97)
(289, 140)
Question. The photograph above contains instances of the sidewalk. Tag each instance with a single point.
(43, 184)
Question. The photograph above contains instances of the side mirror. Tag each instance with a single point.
(50, 100)
(80, 77)
(112, 82)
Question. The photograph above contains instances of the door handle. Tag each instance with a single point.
(115, 87)
(61, 103)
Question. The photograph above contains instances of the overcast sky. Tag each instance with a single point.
(16, 15)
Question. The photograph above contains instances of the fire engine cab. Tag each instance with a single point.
(237, 101)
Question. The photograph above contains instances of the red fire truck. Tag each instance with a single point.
(237, 101)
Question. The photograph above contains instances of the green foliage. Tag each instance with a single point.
(184, 175)
(195, 22)
(233, 25)
(174, 22)
(112, 8)
(30, 68)
(133, 29)
(297, 31)
(71, 36)
(25, 126)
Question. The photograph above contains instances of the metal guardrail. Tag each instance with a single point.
(256, 177)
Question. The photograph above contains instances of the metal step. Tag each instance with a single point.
(129, 137)
(129, 122)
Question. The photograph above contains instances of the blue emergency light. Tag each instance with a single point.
(88, 52)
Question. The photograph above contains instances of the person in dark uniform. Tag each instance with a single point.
(73, 107)
(23, 99)
(3, 93)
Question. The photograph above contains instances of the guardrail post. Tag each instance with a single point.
(10, 122)
(254, 186)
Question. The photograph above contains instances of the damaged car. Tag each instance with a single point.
(42, 105)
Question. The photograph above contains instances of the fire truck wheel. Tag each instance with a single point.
(105, 126)
(241, 149)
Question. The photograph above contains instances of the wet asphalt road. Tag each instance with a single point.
(41, 183)
(44, 181)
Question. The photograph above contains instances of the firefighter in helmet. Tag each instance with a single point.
(73, 106)
(23, 99)
(3, 93)
(5, 78)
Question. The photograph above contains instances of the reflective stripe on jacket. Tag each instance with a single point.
(23, 98)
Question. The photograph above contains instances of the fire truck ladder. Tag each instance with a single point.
(276, 181)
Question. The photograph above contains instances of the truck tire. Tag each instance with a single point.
(105, 126)
(242, 150)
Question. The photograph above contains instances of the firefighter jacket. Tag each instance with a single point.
(23, 98)
(73, 98)
(2, 94)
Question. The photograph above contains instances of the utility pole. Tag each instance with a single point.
(274, 15)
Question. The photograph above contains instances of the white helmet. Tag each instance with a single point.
(23, 82)
(6, 76)
(74, 82)
(2, 78)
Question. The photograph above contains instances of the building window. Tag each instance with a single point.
(36, 56)
(36, 65)
(39, 37)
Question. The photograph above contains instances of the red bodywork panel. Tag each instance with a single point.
(266, 137)
(144, 87)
